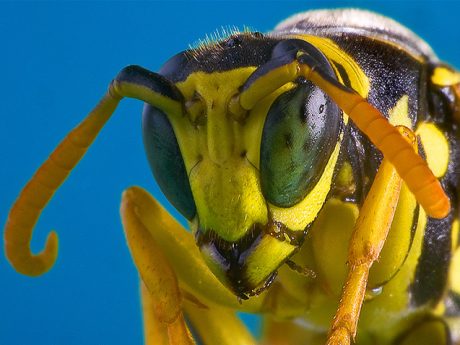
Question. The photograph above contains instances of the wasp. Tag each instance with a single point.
(317, 167)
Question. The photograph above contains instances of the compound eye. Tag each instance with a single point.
(166, 162)
(299, 135)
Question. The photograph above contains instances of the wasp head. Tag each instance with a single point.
(249, 180)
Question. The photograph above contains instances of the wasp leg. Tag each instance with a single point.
(161, 295)
(217, 325)
(214, 325)
(158, 332)
(172, 270)
(369, 235)
(154, 329)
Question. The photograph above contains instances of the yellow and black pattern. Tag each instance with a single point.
(399, 69)
(317, 167)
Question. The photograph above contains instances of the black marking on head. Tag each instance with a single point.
(258, 34)
(237, 51)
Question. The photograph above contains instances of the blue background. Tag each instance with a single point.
(56, 60)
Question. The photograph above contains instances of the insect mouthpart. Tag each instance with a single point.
(249, 266)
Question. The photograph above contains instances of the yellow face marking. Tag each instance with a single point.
(260, 265)
(219, 137)
(224, 137)
(436, 148)
(224, 183)
(399, 115)
(305, 212)
(443, 76)
(228, 198)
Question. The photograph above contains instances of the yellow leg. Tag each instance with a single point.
(162, 300)
(155, 331)
(175, 277)
(217, 325)
(368, 238)
(214, 325)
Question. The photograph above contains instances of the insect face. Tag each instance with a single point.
(252, 182)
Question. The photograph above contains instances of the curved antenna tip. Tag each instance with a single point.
(33, 265)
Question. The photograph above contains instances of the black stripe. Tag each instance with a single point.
(432, 270)
(237, 51)
(343, 73)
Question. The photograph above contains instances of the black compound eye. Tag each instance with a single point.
(166, 162)
(300, 132)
